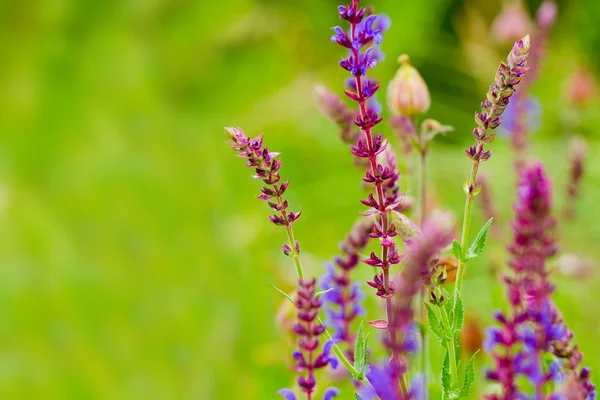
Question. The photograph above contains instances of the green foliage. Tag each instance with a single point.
(479, 244)
(436, 326)
(287, 296)
(458, 316)
(469, 377)
(360, 353)
(457, 251)
(322, 292)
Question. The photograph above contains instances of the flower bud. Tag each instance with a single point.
(408, 93)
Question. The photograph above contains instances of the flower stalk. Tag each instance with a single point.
(365, 30)
(508, 76)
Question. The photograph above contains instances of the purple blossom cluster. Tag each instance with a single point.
(533, 326)
(343, 301)
(364, 31)
(266, 168)
(308, 329)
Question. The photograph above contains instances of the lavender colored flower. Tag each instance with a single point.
(369, 146)
(343, 303)
(308, 329)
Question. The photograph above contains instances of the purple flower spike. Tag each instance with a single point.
(309, 329)
(266, 168)
(344, 302)
(534, 326)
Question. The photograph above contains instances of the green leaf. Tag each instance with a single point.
(287, 296)
(457, 250)
(434, 324)
(446, 379)
(358, 397)
(360, 353)
(322, 292)
(469, 377)
(459, 314)
(478, 245)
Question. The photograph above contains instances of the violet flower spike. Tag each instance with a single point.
(534, 325)
(266, 168)
(344, 302)
(309, 329)
(369, 145)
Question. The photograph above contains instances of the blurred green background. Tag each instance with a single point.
(135, 261)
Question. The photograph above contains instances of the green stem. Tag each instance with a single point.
(338, 352)
(295, 255)
(422, 215)
(451, 350)
(464, 240)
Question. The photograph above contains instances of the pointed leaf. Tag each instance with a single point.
(446, 379)
(379, 324)
(469, 377)
(457, 250)
(322, 292)
(360, 353)
(287, 296)
(459, 314)
(479, 244)
(435, 325)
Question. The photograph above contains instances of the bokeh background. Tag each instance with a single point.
(135, 261)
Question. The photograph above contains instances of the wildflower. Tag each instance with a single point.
(370, 145)
(533, 326)
(308, 329)
(343, 303)
(266, 168)
(407, 92)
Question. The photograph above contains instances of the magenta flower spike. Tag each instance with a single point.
(266, 168)
(308, 328)
(365, 32)
(533, 326)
